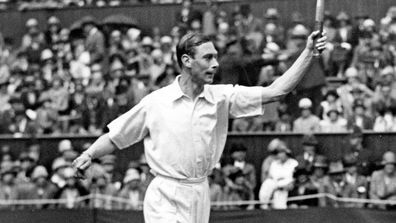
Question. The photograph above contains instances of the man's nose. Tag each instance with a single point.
(215, 64)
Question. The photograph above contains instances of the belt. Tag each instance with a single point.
(191, 180)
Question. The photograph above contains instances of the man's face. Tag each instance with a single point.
(204, 64)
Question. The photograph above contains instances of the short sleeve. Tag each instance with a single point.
(246, 101)
(130, 127)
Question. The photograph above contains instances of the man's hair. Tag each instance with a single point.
(187, 45)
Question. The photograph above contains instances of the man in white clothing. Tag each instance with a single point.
(184, 127)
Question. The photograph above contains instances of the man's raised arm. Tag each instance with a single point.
(289, 80)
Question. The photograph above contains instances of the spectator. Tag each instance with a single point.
(272, 152)
(335, 186)
(95, 41)
(238, 154)
(239, 189)
(217, 193)
(43, 188)
(101, 188)
(307, 122)
(8, 188)
(335, 123)
(331, 102)
(359, 117)
(71, 190)
(188, 16)
(279, 180)
(356, 183)
(108, 162)
(383, 182)
(132, 191)
(307, 158)
(145, 175)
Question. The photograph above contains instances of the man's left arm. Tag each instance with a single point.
(289, 80)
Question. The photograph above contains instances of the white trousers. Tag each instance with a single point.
(177, 201)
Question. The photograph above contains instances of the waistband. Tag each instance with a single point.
(191, 180)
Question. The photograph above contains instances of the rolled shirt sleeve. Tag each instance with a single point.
(246, 101)
(130, 127)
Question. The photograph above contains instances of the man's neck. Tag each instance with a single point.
(188, 86)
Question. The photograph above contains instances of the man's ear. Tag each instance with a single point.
(186, 60)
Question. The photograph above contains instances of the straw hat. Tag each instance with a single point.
(388, 158)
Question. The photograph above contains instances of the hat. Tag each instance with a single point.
(70, 154)
(349, 160)
(392, 12)
(157, 53)
(65, 145)
(388, 158)
(332, 92)
(88, 20)
(130, 175)
(238, 147)
(46, 55)
(342, 16)
(333, 109)
(273, 144)
(300, 30)
(31, 22)
(53, 20)
(336, 168)
(26, 157)
(69, 172)
(358, 103)
(320, 162)
(108, 159)
(305, 103)
(388, 70)
(4, 78)
(309, 140)
(368, 23)
(165, 39)
(39, 171)
(351, 72)
(271, 13)
(8, 168)
(60, 163)
(282, 147)
(147, 41)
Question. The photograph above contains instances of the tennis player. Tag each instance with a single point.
(184, 128)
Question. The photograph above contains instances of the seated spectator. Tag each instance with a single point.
(272, 152)
(145, 175)
(216, 186)
(8, 186)
(336, 185)
(279, 180)
(132, 191)
(335, 122)
(383, 182)
(238, 154)
(108, 162)
(357, 184)
(359, 117)
(309, 148)
(307, 122)
(239, 189)
(26, 165)
(71, 190)
(365, 156)
(43, 188)
(100, 185)
(331, 102)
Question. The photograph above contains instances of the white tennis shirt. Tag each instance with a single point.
(184, 138)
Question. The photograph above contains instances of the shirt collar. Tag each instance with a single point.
(177, 93)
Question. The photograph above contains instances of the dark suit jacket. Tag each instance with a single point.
(95, 45)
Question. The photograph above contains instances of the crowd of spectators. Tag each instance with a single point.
(74, 80)
(356, 176)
